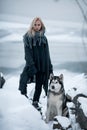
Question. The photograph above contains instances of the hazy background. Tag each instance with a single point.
(64, 26)
(60, 10)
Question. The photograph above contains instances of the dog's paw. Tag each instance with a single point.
(46, 120)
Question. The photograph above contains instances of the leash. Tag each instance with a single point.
(26, 96)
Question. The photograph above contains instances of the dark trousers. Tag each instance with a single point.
(41, 80)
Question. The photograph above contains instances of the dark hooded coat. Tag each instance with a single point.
(37, 59)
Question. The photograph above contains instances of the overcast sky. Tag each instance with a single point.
(62, 10)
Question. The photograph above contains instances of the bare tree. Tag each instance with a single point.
(84, 13)
(81, 9)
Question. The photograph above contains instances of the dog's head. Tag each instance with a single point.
(56, 83)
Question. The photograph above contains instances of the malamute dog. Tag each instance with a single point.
(55, 98)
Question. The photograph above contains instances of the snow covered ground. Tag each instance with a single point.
(17, 113)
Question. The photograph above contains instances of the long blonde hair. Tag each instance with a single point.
(31, 30)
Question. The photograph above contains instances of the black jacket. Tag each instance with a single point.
(37, 54)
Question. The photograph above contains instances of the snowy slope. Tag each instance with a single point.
(17, 113)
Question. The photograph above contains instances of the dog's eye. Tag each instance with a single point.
(56, 81)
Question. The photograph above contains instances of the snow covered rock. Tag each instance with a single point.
(2, 80)
(61, 122)
(81, 117)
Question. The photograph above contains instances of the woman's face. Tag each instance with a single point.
(37, 25)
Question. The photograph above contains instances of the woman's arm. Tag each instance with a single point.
(28, 50)
(29, 55)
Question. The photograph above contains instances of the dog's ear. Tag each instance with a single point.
(61, 77)
(51, 78)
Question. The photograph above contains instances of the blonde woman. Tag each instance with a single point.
(38, 63)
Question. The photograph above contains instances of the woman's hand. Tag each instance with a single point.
(51, 76)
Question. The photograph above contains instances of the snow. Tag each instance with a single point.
(65, 37)
(12, 37)
(78, 81)
(8, 25)
(16, 111)
(83, 102)
(63, 121)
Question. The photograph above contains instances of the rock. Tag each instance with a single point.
(79, 114)
(2, 80)
(61, 122)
